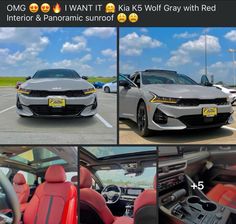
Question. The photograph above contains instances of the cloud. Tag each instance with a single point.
(144, 30)
(22, 54)
(100, 60)
(127, 68)
(109, 53)
(133, 44)
(190, 49)
(185, 35)
(157, 59)
(79, 64)
(79, 44)
(22, 36)
(222, 71)
(231, 35)
(102, 32)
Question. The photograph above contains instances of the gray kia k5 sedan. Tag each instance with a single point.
(56, 92)
(166, 100)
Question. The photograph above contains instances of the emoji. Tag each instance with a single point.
(57, 8)
(121, 17)
(45, 8)
(110, 8)
(33, 7)
(133, 17)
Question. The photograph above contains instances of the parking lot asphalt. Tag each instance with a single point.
(100, 129)
(225, 135)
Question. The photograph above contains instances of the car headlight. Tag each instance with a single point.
(89, 91)
(24, 91)
(161, 99)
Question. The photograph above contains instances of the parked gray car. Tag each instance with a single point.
(56, 92)
(166, 100)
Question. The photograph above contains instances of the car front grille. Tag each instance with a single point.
(196, 102)
(45, 110)
(194, 121)
(69, 93)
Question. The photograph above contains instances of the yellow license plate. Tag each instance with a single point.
(209, 112)
(56, 102)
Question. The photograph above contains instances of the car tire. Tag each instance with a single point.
(107, 89)
(142, 120)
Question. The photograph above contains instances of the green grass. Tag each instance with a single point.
(11, 81)
(101, 79)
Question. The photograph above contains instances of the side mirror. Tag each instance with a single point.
(28, 78)
(85, 77)
(125, 84)
(205, 81)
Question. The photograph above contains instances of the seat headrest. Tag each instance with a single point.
(19, 179)
(85, 178)
(74, 179)
(55, 174)
(155, 182)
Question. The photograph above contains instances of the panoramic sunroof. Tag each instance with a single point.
(36, 157)
(100, 152)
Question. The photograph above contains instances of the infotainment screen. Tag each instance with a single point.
(170, 151)
(134, 192)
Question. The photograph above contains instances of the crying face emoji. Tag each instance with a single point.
(110, 8)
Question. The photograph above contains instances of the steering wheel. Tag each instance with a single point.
(10, 198)
(111, 193)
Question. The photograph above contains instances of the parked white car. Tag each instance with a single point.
(110, 87)
(229, 91)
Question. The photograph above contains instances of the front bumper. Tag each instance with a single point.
(179, 118)
(38, 106)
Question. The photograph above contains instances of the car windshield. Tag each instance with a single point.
(118, 177)
(166, 77)
(56, 73)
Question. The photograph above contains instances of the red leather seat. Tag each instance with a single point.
(54, 201)
(223, 194)
(21, 188)
(93, 208)
(145, 206)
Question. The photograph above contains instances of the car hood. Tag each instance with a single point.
(185, 91)
(56, 84)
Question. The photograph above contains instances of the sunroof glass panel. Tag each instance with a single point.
(100, 152)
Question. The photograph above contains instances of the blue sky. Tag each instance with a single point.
(90, 51)
(180, 49)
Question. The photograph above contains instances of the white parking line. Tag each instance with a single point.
(229, 128)
(9, 108)
(107, 124)
(11, 94)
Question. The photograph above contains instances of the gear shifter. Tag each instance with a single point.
(129, 210)
(175, 196)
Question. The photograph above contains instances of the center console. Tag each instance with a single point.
(180, 203)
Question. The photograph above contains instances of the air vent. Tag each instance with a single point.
(177, 166)
(172, 168)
